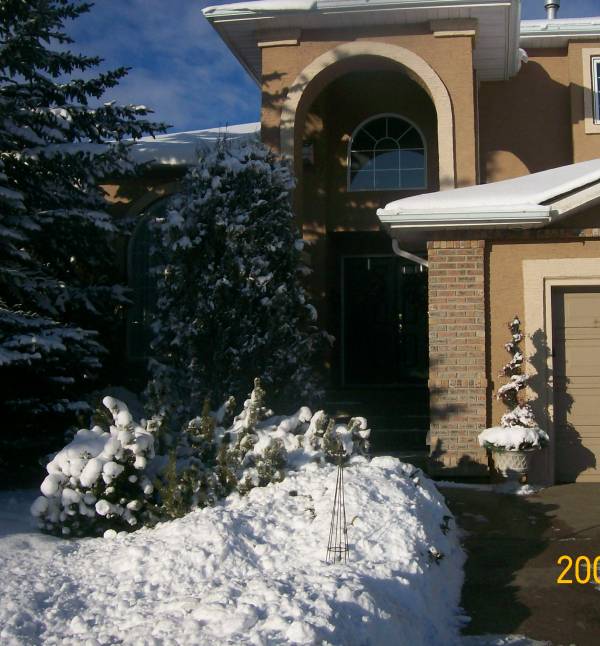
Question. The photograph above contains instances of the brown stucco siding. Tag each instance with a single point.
(586, 145)
(331, 120)
(451, 58)
(525, 122)
(506, 298)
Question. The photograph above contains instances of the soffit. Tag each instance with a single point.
(496, 49)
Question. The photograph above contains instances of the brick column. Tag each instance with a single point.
(457, 373)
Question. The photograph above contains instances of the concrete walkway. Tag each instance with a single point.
(513, 543)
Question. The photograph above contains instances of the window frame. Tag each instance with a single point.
(358, 128)
(591, 90)
(594, 71)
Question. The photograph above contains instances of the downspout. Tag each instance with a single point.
(406, 254)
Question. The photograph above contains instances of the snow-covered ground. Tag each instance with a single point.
(250, 571)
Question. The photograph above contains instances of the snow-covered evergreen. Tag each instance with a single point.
(98, 482)
(111, 480)
(518, 428)
(230, 299)
(59, 290)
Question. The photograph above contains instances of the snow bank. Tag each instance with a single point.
(251, 571)
(513, 438)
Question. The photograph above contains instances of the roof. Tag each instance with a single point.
(558, 32)
(173, 148)
(243, 25)
(530, 201)
(181, 148)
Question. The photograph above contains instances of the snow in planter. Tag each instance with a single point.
(518, 429)
(231, 303)
(250, 570)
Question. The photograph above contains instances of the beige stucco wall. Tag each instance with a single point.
(451, 58)
(586, 144)
(525, 123)
(505, 295)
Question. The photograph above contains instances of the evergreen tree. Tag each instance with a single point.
(512, 393)
(59, 292)
(230, 300)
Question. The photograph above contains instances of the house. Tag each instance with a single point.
(448, 165)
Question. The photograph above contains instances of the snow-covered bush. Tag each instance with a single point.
(230, 298)
(112, 480)
(98, 481)
(256, 449)
(518, 430)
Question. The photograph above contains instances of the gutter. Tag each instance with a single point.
(523, 217)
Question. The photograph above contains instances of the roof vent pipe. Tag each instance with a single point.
(552, 7)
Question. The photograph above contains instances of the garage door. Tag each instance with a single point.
(576, 338)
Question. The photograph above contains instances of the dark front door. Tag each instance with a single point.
(384, 321)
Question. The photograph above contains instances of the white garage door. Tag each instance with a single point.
(576, 339)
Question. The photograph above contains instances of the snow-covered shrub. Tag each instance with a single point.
(256, 449)
(230, 298)
(518, 430)
(114, 481)
(98, 481)
(260, 446)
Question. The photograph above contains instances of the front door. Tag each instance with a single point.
(384, 321)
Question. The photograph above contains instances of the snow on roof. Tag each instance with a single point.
(553, 33)
(181, 148)
(261, 5)
(173, 148)
(523, 200)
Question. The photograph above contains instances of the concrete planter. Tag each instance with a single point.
(513, 465)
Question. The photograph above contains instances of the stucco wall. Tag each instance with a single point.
(329, 125)
(450, 57)
(586, 145)
(505, 294)
(525, 123)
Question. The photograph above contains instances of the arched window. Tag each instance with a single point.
(142, 282)
(386, 153)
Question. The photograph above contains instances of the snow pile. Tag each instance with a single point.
(513, 438)
(252, 571)
(99, 478)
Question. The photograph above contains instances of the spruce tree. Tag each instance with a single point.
(231, 304)
(59, 291)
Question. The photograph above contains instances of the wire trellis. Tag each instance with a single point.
(337, 546)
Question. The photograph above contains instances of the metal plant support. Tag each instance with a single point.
(337, 547)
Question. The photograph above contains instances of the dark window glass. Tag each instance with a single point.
(387, 153)
(387, 159)
(386, 179)
(362, 181)
(412, 178)
(412, 159)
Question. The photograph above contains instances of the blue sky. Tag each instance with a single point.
(182, 69)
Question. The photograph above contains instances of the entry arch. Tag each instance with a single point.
(414, 66)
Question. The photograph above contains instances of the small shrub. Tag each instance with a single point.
(98, 481)
(112, 481)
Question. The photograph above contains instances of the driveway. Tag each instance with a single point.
(513, 543)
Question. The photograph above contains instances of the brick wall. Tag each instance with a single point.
(457, 374)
